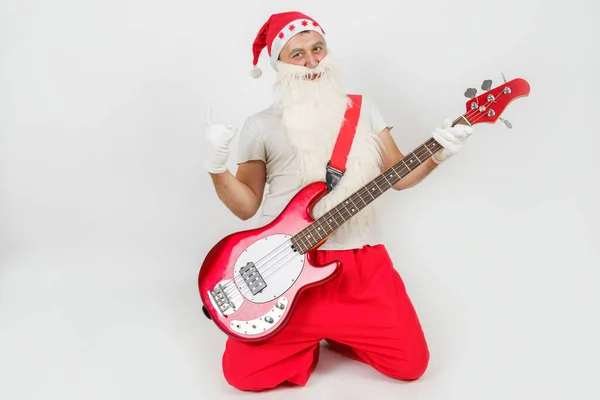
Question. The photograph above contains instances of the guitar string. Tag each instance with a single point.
(263, 269)
(353, 200)
(310, 230)
(285, 244)
(419, 152)
(266, 271)
(262, 266)
(364, 189)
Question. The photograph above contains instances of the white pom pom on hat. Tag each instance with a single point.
(256, 72)
(275, 33)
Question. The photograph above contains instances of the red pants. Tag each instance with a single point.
(364, 313)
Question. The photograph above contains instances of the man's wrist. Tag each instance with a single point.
(216, 171)
(438, 157)
(214, 168)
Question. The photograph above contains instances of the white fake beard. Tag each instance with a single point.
(312, 114)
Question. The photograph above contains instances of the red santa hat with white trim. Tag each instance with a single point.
(276, 32)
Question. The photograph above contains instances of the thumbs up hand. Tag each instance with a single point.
(218, 138)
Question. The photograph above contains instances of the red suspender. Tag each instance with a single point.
(337, 165)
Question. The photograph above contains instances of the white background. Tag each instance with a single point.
(106, 212)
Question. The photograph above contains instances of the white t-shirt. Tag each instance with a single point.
(262, 138)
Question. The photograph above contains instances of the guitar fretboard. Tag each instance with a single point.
(322, 227)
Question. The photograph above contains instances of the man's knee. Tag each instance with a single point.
(234, 376)
(237, 376)
(240, 382)
(241, 373)
(417, 365)
(410, 365)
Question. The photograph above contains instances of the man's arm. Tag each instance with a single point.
(242, 193)
(451, 138)
(391, 155)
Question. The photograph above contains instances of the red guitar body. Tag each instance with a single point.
(246, 314)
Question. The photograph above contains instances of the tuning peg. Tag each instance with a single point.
(486, 85)
(470, 93)
(503, 77)
(508, 124)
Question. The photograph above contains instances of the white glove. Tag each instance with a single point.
(452, 138)
(218, 138)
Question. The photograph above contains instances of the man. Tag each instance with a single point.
(365, 312)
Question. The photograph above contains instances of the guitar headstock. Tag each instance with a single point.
(489, 106)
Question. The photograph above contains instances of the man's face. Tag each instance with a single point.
(305, 49)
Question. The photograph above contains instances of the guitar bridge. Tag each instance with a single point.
(252, 278)
(221, 300)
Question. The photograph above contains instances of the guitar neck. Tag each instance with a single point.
(322, 227)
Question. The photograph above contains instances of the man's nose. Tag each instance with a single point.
(311, 61)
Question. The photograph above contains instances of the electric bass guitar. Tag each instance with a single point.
(249, 281)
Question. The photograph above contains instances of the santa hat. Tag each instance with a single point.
(276, 32)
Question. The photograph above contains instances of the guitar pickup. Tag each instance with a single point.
(252, 278)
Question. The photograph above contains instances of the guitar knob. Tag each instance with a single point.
(506, 122)
(280, 305)
(470, 93)
(486, 85)
(269, 319)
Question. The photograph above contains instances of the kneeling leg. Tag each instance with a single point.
(253, 367)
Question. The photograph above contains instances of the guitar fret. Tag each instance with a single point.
(350, 206)
(320, 230)
(361, 199)
(297, 243)
(302, 238)
(326, 221)
(396, 175)
(389, 183)
(336, 218)
(355, 207)
(375, 193)
(310, 239)
(332, 219)
(370, 190)
(380, 191)
(402, 171)
(345, 208)
(385, 182)
(365, 190)
(347, 212)
(403, 162)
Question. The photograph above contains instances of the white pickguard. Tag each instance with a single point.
(276, 261)
(264, 322)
